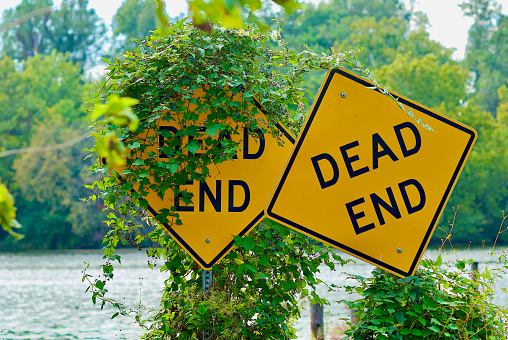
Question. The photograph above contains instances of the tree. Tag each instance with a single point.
(49, 186)
(482, 189)
(382, 38)
(385, 29)
(487, 51)
(41, 82)
(27, 38)
(502, 112)
(41, 104)
(484, 13)
(134, 20)
(73, 28)
(425, 80)
(329, 23)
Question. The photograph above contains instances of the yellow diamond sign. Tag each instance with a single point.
(366, 178)
(231, 201)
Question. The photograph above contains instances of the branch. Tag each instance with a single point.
(33, 14)
(47, 148)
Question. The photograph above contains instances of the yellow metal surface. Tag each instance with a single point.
(366, 178)
(232, 200)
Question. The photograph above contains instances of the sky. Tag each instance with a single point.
(448, 25)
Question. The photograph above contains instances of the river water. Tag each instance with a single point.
(42, 296)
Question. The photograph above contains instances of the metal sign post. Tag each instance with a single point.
(207, 279)
(317, 321)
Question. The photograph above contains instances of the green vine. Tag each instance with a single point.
(207, 84)
(229, 68)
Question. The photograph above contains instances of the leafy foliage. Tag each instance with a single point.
(441, 301)
(231, 13)
(165, 73)
(502, 113)
(425, 80)
(8, 212)
(385, 29)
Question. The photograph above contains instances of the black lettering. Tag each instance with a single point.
(402, 143)
(354, 217)
(261, 149)
(402, 186)
(162, 139)
(348, 160)
(205, 189)
(231, 200)
(179, 197)
(322, 182)
(376, 154)
(392, 208)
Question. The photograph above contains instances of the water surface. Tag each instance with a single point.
(42, 296)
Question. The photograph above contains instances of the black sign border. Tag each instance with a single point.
(300, 140)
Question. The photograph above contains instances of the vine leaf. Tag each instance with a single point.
(8, 213)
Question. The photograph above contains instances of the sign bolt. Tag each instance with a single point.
(343, 94)
(399, 250)
(208, 241)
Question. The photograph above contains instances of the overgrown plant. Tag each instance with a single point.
(443, 300)
(259, 285)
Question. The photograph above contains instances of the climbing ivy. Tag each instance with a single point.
(207, 83)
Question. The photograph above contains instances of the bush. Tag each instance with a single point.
(443, 300)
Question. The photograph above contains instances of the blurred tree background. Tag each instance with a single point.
(45, 74)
